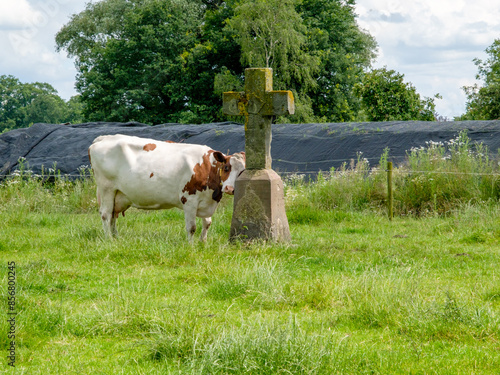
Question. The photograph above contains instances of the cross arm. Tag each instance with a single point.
(234, 103)
(275, 103)
(280, 103)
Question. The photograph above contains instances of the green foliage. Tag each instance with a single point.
(168, 61)
(226, 81)
(344, 50)
(251, 349)
(151, 61)
(271, 34)
(352, 183)
(386, 97)
(447, 175)
(483, 101)
(319, 53)
(23, 104)
(24, 191)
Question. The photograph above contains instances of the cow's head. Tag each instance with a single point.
(230, 167)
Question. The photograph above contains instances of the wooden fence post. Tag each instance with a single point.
(389, 190)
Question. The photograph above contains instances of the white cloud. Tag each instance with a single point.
(27, 32)
(432, 42)
(16, 14)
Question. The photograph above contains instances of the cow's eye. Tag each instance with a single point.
(226, 168)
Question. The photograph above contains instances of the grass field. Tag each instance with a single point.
(353, 293)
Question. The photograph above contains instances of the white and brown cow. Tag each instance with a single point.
(154, 175)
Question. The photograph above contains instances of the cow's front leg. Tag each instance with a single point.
(190, 219)
(207, 221)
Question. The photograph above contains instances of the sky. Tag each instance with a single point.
(432, 42)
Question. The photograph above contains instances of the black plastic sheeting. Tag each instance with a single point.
(304, 148)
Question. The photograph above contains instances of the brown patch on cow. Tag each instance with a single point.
(151, 175)
(170, 142)
(183, 200)
(90, 159)
(208, 176)
(149, 147)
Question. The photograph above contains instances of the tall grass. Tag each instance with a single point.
(24, 191)
(435, 179)
(443, 176)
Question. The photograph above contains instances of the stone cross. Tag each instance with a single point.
(259, 202)
(259, 103)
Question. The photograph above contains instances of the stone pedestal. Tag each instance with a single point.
(259, 207)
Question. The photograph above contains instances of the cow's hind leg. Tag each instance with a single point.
(207, 221)
(190, 219)
(106, 209)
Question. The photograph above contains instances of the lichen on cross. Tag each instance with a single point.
(258, 103)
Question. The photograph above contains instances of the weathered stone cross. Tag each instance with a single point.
(259, 204)
(258, 104)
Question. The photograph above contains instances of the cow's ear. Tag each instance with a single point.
(219, 156)
(244, 155)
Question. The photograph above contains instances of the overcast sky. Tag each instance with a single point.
(431, 42)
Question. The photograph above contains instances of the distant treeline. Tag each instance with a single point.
(159, 61)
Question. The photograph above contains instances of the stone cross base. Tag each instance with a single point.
(259, 207)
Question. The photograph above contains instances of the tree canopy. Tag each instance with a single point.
(168, 60)
(22, 104)
(483, 102)
(386, 97)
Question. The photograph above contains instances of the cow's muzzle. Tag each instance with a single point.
(229, 190)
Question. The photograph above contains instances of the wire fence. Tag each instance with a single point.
(364, 171)
(401, 170)
(322, 161)
(47, 175)
(87, 173)
(61, 175)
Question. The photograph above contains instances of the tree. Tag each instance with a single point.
(272, 34)
(386, 97)
(23, 104)
(144, 60)
(315, 48)
(345, 52)
(483, 102)
(168, 60)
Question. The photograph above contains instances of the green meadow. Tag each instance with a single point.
(353, 293)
